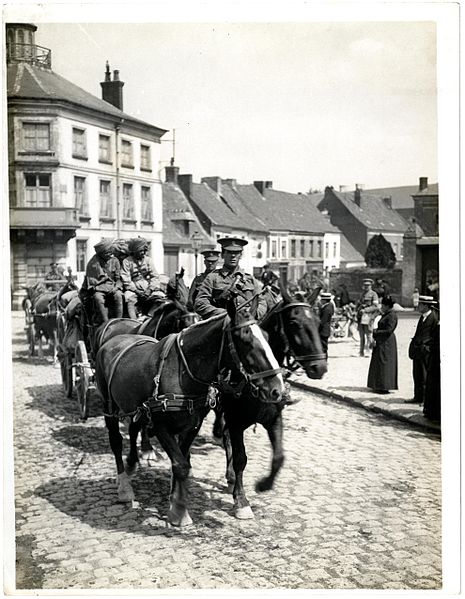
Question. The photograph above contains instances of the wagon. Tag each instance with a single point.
(75, 355)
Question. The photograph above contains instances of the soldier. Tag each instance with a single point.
(141, 282)
(210, 260)
(218, 285)
(103, 281)
(53, 278)
(367, 309)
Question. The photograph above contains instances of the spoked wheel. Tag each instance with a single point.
(67, 374)
(83, 372)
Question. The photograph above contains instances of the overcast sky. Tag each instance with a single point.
(301, 104)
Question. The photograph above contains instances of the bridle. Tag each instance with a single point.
(224, 383)
(279, 309)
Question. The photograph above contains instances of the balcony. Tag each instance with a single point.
(44, 218)
(36, 55)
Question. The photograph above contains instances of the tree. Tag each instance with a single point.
(379, 253)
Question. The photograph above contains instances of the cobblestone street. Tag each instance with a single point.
(357, 504)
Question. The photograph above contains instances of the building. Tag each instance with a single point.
(421, 243)
(360, 216)
(183, 235)
(79, 167)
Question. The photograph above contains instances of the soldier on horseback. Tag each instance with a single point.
(210, 260)
(141, 282)
(229, 280)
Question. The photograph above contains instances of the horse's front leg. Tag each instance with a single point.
(148, 454)
(185, 442)
(242, 509)
(40, 351)
(125, 491)
(132, 459)
(178, 514)
(275, 434)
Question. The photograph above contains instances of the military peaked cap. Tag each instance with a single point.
(232, 244)
(212, 254)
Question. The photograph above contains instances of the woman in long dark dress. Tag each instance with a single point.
(382, 374)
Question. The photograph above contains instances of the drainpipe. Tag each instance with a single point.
(118, 184)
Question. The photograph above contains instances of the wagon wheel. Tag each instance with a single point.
(82, 378)
(67, 374)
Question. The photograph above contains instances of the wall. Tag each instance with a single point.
(353, 278)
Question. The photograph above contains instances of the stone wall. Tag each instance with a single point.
(353, 278)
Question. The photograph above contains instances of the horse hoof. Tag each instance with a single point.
(176, 519)
(244, 513)
(125, 490)
(131, 470)
(230, 488)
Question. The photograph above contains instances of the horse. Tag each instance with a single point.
(154, 382)
(41, 317)
(292, 331)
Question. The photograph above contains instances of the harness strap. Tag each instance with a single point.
(167, 345)
(120, 355)
(186, 365)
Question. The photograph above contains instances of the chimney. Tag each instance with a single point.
(171, 174)
(423, 183)
(231, 182)
(112, 91)
(186, 185)
(214, 183)
(262, 185)
(358, 194)
(388, 201)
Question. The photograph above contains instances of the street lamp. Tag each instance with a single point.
(196, 240)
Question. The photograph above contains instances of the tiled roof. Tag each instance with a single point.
(431, 190)
(285, 211)
(372, 212)
(226, 210)
(401, 197)
(348, 252)
(30, 81)
(175, 205)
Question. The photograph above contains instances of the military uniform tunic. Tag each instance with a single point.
(194, 288)
(210, 303)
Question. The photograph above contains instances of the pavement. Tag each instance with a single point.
(347, 374)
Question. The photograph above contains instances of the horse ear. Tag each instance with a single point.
(284, 292)
(311, 298)
(231, 308)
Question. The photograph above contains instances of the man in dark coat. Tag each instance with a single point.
(421, 346)
(326, 312)
(210, 260)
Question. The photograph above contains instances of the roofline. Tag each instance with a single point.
(136, 124)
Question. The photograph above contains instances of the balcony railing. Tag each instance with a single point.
(44, 218)
(30, 53)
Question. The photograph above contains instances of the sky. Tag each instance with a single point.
(302, 104)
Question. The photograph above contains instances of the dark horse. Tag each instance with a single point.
(172, 384)
(41, 318)
(292, 331)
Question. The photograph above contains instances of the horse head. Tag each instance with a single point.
(184, 316)
(292, 327)
(251, 355)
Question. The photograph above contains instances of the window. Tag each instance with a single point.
(80, 196)
(106, 206)
(310, 252)
(302, 248)
(81, 255)
(38, 190)
(126, 153)
(293, 248)
(274, 248)
(283, 248)
(334, 249)
(104, 148)
(326, 250)
(320, 249)
(145, 159)
(128, 202)
(79, 143)
(146, 204)
(36, 137)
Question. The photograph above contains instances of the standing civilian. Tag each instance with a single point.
(382, 374)
(421, 346)
(326, 312)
